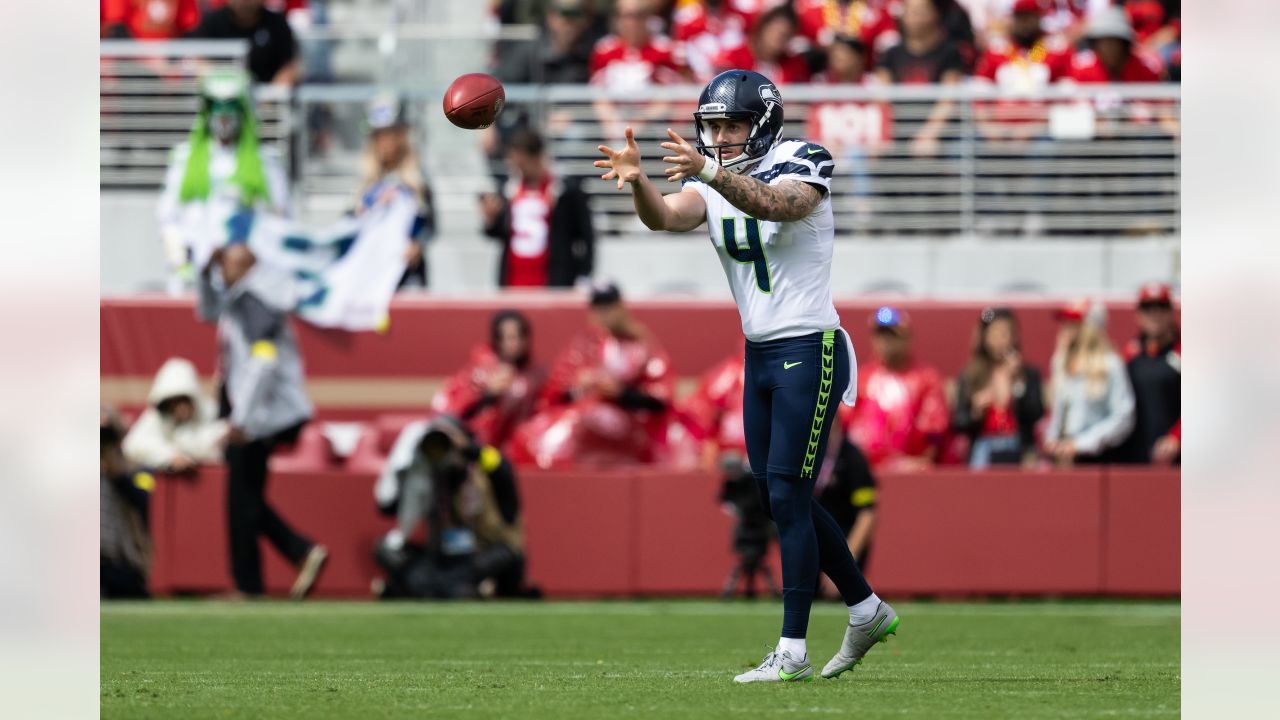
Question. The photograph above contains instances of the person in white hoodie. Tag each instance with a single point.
(180, 429)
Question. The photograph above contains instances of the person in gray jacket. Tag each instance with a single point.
(1093, 406)
(264, 402)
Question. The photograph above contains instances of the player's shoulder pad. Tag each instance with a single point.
(810, 151)
(690, 180)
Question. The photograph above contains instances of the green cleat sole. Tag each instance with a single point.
(891, 630)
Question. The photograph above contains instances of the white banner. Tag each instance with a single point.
(346, 273)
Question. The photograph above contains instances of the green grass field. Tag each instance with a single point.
(628, 660)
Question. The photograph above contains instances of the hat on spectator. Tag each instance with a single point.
(385, 110)
(1110, 22)
(1028, 6)
(1155, 293)
(891, 319)
(1072, 312)
(605, 293)
(1093, 313)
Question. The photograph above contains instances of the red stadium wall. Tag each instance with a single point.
(948, 532)
(1079, 532)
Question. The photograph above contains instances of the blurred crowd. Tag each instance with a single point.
(273, 51)
(627, 44)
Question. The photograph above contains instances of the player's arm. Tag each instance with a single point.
(677, 212)
(786, 201)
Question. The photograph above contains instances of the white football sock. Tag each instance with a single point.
(865, 611)
(794, 646)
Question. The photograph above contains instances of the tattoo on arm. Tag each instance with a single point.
(786, 201)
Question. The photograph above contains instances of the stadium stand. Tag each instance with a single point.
(1087, 205)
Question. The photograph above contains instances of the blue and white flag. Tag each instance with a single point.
(346, 273)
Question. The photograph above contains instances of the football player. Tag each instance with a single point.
(766, 201)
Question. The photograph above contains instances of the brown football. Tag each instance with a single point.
(474, 100)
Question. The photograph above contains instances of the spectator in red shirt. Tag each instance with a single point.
(544, 222)
(629, 61)
(633, 58)
(1025, 63)
(999, 399)
(714, 410)
(1158, 26)
(606, 400)
(821, 21)
(852, 130)
(496, 390)
(707, 28)
(767, 50)
(1027, 60)
(901, 414)
(1112, 57)
(1154, 361)
(149, 19)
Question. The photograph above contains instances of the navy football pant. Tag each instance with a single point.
(792, 388)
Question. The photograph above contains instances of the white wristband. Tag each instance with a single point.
(709, 170)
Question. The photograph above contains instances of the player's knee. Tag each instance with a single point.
(788, 505)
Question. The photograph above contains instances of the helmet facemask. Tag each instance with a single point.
(758, 143)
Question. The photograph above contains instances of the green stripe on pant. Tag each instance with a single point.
(820, 411)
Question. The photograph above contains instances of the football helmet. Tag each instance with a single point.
(745, 95)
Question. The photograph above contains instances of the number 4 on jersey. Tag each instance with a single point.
(753, 252)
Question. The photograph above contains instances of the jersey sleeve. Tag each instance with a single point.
(695, 184)
(808, 162)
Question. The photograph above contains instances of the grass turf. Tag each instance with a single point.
(628, 660)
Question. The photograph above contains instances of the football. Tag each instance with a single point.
(474, 100)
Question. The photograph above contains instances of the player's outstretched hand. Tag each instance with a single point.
(624, 164)
(685, 161)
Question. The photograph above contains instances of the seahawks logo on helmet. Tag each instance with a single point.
(740, 95)
(769, 93)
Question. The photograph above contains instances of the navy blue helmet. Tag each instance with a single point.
(742, 95)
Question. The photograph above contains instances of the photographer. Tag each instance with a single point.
(124, 537)
(466, 493)
(753, 530)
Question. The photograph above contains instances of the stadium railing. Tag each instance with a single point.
(1097, 159)
(1102, 159)
(149, 93)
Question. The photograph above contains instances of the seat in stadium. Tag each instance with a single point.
(312, 452)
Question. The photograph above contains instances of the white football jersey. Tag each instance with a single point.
(779, 272)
